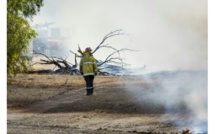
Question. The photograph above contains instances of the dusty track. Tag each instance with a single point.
(45, 104)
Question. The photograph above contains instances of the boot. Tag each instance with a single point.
(88, 92)
(91, 91)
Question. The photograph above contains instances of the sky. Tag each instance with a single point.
(170, 34)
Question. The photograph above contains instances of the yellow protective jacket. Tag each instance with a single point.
(88, 64)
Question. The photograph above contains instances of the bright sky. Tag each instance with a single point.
(170, 35)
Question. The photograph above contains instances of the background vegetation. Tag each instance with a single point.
(19, 33)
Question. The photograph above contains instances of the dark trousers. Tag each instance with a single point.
(89, 84)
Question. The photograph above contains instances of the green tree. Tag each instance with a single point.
(19, 33)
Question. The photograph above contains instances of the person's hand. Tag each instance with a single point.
(95, 73)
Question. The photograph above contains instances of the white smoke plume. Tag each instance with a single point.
(171, 34)
(183, 92)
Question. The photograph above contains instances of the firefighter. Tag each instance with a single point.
(88, 69)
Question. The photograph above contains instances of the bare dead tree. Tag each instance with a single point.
(109, 35)
(101, 44)
(113, 57)
(110, 59)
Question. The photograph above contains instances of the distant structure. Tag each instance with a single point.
(49, 41)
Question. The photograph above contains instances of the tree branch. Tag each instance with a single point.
(111, 34)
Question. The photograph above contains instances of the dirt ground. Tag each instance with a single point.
(56, 104)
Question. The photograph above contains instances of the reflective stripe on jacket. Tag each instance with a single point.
(88, 64)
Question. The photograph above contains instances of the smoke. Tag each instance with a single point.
(170, 35)
(179, 92)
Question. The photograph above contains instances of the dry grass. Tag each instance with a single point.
(62, 81)
(39, 66)
(46, 81)
(57, 104)
(29, 88)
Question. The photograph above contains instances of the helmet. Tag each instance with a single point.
(88, 49)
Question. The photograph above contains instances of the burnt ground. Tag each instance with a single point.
(56, 104)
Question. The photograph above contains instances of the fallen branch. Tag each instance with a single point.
(62, 64)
